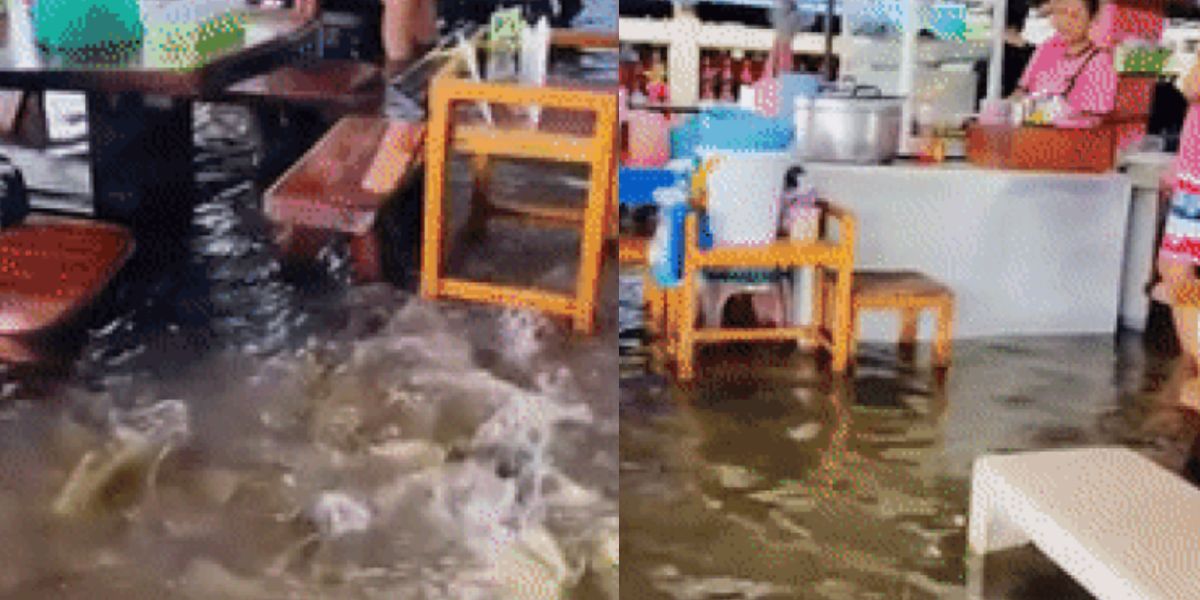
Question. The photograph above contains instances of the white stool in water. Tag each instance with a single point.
(768, 295)
(1122, 526)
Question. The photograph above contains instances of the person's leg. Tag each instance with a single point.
(1179, 253)
(407, 24)
(425, 29)
(396, 46)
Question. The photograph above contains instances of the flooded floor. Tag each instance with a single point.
(779, 482)
(224, 427)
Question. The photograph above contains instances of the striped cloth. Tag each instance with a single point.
(1181, 236)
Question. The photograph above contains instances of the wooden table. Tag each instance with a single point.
(342, 86)
(140, 111)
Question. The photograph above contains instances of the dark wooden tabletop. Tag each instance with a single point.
(348, 85)
(270, 36)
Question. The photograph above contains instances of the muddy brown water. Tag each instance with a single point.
(225, 427)
(768, 479)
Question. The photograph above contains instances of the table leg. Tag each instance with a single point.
(944, 335)
(909, 320)
(142, 162)
(481, 182)
(366, 259)
(841, 319)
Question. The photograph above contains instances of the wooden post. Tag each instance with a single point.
(996, 61)
(908, 68)
(683, 57)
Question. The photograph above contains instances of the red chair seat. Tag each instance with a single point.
(51, 268)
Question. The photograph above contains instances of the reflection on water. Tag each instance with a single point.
(780, 482)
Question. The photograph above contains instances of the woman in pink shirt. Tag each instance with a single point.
(1071, 66)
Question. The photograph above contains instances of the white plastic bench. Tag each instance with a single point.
(1122, 526)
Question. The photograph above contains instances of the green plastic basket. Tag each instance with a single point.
(189, 45)
(76, 25)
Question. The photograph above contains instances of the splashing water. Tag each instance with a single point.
(317, 442)
(356, 444)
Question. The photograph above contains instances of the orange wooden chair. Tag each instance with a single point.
(561, 137)
(831, 331)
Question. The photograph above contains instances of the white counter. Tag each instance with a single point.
(1026, 253)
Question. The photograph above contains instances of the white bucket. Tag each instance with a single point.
(744, 190)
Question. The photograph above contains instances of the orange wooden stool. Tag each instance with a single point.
(909, 293)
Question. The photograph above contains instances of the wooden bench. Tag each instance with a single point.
(909, 293)
(1122, 526)
(340, 185)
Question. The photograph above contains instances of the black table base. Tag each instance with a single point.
(142, 156)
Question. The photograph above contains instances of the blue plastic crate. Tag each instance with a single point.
(636, 185)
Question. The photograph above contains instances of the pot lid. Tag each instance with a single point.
(852, 103)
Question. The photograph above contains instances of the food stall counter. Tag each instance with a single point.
(1026, 252)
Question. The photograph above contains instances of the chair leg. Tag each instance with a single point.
(435, 210)
(785, 303)
(909, 320)
(652, 299)
(945, 330)
(481, 206)
(365, 258)
(841, 319)
(297, 244)
(686, 324)
(855, 327)
(817, 320)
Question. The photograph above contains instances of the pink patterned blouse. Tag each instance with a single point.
(1088, 80)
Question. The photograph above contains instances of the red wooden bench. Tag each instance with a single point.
(340, 185)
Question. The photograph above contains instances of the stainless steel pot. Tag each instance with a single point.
(849, 126)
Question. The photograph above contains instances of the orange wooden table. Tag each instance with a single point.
(832, 328)
(578, 125)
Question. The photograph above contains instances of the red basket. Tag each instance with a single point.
(1043, 148)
